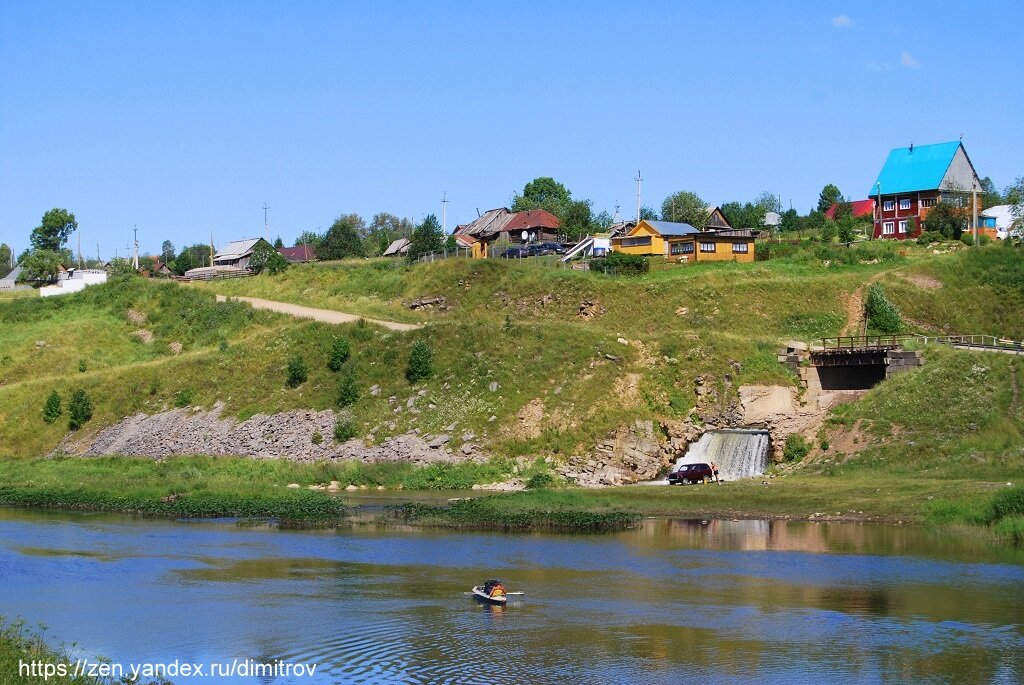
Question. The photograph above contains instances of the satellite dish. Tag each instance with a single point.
(525, 236)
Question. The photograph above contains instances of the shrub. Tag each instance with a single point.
(184, 398)
(81, 366)
(52, 410)
(79, 410)
(882, 314)
(539, 481)
(622, 264)
(796, 447)
(297, 373)
(340, 350)
(317, 437)
(1009, 502)
(929, 237)
(421, 361)
(348, 391)
(344, 426)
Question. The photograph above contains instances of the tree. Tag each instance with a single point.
(278, 242)
(686, 207)
(191, 257)
(790, 221)
(342, 239)
(54, 230)
(428, 237)
(989, 196)
(421, 361)
(167, 252)
(297, 373)
(383, 230)
(648, 214)
(5, 259)
(340, 351)
(41, 266)
(1014, 196)
(311, 238)
(767, 202)
(348, 390)
(576, 221)
(947, 219)
(119, 266)
(52, 410)
(828, 196)
(266, 258)
(79, 409)
(544, 193)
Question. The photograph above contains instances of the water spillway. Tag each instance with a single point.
(738, 453)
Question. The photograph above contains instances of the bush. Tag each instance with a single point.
(340, 350)
(539, 481)
(622, 264)
(1009, 502)
(421, 361)
(79, 410)
(348, 391)
(929, 237)
(52, 410)
(297, 373)
(318, 437)
(796, 447)
(882, 314)
(184, 398)
(344, 427)
(81, 366)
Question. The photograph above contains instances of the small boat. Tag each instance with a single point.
(492, 592)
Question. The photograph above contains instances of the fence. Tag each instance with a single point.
(980, 342)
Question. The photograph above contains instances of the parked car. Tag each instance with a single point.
(515, 253)
(537, 250)
(691, 473)
(552, 248)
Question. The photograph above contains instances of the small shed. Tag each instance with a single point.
(398, 248)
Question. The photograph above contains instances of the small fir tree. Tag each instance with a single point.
(420, 362)
(52, 410)
(340, 350)
(297, 372)
(79, 410)
(348, 391)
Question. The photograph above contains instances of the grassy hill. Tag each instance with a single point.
(549, 338)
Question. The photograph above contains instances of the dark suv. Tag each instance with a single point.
(691, 473)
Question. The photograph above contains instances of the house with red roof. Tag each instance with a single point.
(859, 208)
(537, 225)
(298, 254)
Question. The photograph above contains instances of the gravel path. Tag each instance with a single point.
(325, 315)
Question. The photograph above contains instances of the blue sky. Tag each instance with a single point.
(185, 117)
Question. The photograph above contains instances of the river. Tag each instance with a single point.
(672, 601)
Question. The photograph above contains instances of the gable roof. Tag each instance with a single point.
(237, 249)
(532, 218)
(399, 246)
(464, 240)
(299, 253)
(13, 275)
(860, 208)
(918, 167)
(671, 227)
(491, 222)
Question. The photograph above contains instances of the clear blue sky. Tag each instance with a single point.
(186, 117)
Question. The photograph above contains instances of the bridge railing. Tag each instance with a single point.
(862, 342)
(874, 342)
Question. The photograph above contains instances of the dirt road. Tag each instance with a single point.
(324, 315)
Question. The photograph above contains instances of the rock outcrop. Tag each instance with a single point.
(288, 435)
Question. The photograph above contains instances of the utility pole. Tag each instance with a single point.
(81, 262)
(211, 249)
(135, 258)
(639, 180)
(266, 224)
(444, 212)
(974, 210)
(98, 259)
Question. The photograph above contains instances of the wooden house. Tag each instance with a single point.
(730, 245)
(398, 248)
(502, 225)
(653, 238)
(238, 253)
(716, 220)
(913, 180)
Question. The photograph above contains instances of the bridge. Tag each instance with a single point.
(854, 344)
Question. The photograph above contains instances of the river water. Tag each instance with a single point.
(673, 601)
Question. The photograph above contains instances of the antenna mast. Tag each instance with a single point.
(266, 224)
(444, 213)
(639, 180)
(135, 258)
(211, 249)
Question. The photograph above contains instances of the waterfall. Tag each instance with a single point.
(737, 453)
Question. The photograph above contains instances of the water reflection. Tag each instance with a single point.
(715, 601)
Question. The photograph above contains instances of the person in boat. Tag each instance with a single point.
(494, 588)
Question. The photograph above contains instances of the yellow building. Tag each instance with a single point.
(680, 242)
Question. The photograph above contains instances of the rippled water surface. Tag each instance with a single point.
(722, 601)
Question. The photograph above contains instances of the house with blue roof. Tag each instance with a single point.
(913, 180)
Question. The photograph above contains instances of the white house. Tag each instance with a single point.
(1000, 218)
(76, 279)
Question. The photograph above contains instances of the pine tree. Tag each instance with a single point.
(340, 350)
(420, 362)
(52, 410)
(79, 410)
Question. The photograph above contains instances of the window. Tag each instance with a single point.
(681, 248)
(707, 247)
(888, 228)
(927, 202)
(904, 203)
(633, 242)
(903, 226)
(740, 247)
(888, 205)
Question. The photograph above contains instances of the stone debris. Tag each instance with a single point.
(590, 309)
(493, 386)
(144, 335)
(175, 348)
(429, 302)
(374, 390)
(135, 317)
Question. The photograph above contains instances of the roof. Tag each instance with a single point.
(491, 222)
(860, 208)
(914, 168)
(397, 247)
(732, 233)
(1003, 214)
(532, 218)
(299, 253)
(464, 240)
(236, 250)
(671, 227)
(13, 275)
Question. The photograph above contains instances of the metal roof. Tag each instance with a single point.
(671, 227)
(299, 253)
(914, 168)
(532, 218)
(490, 223)
(236, 250)
(397, 247)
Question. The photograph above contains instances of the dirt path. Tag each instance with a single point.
(855, 315)
(324, 315)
